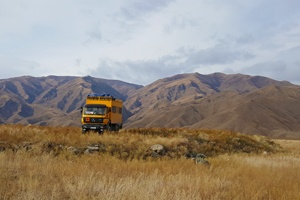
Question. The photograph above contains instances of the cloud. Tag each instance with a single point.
(266, 68)
(137, 10)
(180, 23)
(140, 41)
(139, 71)
(13, 67)
(291, 54)
(183, 61)
(93, 35)
(279, 70)
(133, 16)
(216, 55)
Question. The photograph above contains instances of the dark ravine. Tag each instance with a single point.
(243, 103)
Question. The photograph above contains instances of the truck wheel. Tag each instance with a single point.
(83, 131)
(100, 132)
(108, 127)
(116, 129)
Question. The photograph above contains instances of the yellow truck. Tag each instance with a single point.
(101, 112)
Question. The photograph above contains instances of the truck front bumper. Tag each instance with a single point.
(94, 127)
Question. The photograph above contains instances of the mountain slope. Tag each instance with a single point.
(52, 100)
(248, 104)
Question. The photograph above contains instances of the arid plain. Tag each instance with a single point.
(42, 163)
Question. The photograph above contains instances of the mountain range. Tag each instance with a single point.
(243, 103)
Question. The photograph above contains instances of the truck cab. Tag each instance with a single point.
(100, 113)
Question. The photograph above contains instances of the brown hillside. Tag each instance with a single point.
(188, 87)
(253, 105)
(243, 103)
(52, 100)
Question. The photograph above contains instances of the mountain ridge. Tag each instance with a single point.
(244, 103)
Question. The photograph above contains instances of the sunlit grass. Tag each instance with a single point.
(135, 143)
(241, 167)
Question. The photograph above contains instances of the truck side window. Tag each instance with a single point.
(114, 109)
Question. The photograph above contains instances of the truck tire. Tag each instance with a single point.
(109, 127)
(117, 128)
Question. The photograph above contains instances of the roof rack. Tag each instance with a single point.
(102, 96)
(99, 95)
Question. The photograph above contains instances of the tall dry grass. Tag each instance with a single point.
(134, 143)
(35, 174)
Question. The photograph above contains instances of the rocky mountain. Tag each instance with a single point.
(53, 100)
(248, 104)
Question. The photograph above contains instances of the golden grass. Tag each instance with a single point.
(35, 174)
(135, 143)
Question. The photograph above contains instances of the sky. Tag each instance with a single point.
(141, 41)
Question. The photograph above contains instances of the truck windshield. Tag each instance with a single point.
(94, 110)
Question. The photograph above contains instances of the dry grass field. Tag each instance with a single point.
(52, 163)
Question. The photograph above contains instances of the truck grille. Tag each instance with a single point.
(93, 120)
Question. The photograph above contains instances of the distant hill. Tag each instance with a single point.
(53, 100)
(248, 104)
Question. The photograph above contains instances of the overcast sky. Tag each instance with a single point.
(141, 41)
